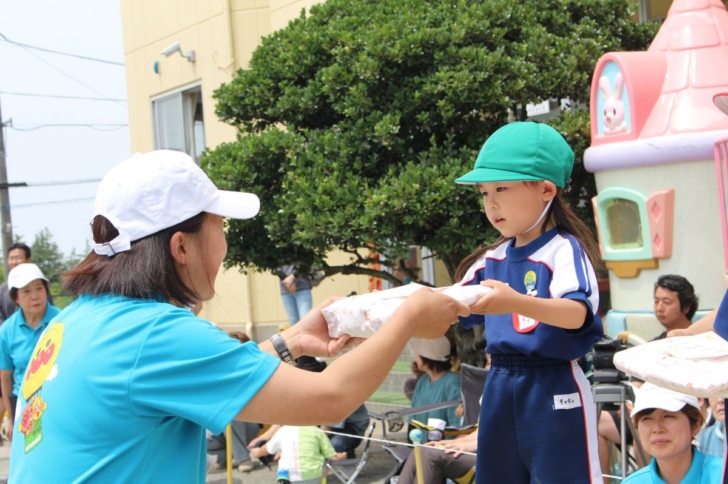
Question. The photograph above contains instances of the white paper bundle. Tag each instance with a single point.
(363, 315)
(696, 365)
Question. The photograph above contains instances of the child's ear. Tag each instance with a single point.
(549, 191)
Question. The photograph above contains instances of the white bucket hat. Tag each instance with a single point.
(651, 396)
(24, 274)
(157, 190)
(433, 349)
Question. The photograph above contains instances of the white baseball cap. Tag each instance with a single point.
(433, 349)
(157, 190)
(24, 274)
(651, 396)
(721, 101)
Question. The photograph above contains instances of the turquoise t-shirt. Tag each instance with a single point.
(17, 341)
(444, 389)
(705, 469)
(123, 392)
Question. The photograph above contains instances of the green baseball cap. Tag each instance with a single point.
(522, 151)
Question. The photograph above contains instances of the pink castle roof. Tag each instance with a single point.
(694, 39)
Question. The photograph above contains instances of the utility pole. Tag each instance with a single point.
(6, 223)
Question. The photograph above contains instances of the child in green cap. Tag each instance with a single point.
(542, 313)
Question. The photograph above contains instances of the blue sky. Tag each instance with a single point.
(59, 154)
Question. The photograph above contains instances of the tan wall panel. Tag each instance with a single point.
(229, 305)
(249, 26)
(442, 278)
(237, 5)
(283, 11)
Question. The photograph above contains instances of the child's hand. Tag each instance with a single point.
(259, 452)
(501, 300)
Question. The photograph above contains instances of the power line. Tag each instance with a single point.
(30, 94)
(52, 202)
(26, 46)
(97, 127)
(70, 76)
(64, 182)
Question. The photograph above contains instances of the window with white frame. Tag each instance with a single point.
(178, 121)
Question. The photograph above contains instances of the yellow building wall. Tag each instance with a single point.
(223, 34)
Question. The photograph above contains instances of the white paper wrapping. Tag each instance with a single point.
(363, 315)
(695, 365)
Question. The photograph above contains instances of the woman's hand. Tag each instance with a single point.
(501, 300)
(466, 443)
(416, 370)
(431, 313)
(310, 336)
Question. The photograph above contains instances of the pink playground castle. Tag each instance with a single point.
(660, 163)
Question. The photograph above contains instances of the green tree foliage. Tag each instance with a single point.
(47, 256)
(355, 120)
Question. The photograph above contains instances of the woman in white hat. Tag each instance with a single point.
(436, 383)
(130, 378)
(666, 423)
(28, 289)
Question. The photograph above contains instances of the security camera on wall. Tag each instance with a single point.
(174, 48)
(171, 49)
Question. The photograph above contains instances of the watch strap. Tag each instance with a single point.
(279, 344)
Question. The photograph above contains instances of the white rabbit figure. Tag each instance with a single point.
(614, 122)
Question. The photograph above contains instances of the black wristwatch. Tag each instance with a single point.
(282, 348)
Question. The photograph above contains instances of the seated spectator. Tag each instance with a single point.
(303, 452)
(242, 434)
(28, 288)
(674, 303)
(711, 440)
(667, 422)
(355, 424)
(435, 382)
(438, 465)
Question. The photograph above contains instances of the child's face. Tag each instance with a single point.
(512, 207)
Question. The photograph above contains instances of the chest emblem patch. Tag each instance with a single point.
(530, 282)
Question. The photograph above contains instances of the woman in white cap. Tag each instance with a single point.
(28, 289)
(435, 382)
(666, 423)
(130, 378)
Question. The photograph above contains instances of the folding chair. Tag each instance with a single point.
(472, 382)
(337, 466)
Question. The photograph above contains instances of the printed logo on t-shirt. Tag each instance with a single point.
(530, 282)
(41, 368)
(522, 324)
(565, 402)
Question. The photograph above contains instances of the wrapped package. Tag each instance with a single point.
(695, 365)
(363, 315)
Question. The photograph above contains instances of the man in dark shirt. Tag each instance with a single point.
(675, 303)
(18, 253)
